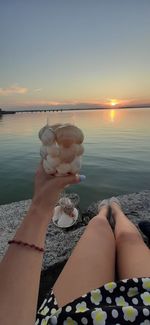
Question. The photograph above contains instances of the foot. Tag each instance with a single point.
(106, 205)
(103, 204)
(115, 205)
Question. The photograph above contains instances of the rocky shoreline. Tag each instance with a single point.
(60, 242)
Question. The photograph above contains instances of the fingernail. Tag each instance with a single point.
(82, 178)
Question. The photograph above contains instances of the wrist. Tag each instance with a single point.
(34, 226)
(39, 212)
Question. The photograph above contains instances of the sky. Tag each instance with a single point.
(78, 53)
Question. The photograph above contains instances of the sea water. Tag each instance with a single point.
(116, 159)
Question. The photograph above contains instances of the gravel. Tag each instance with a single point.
(60, 242)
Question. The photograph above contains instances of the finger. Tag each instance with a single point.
(71, 179)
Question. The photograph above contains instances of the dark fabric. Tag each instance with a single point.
(47, 280)
(122, 302)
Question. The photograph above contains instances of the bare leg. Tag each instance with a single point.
(91, 264)
(133, 256)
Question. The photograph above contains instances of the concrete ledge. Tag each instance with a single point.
(60, 243)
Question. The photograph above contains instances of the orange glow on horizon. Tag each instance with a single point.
(114, 102)
(83, 103)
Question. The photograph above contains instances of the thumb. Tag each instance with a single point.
(71, 179)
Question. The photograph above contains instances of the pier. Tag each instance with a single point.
(4, 112)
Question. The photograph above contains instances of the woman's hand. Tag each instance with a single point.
(48, 189)
(21, 267)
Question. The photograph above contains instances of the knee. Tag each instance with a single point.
(126, 237)
(96, 223)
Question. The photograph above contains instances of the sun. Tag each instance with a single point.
(113, 103)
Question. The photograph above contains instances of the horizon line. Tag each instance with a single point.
(72, 109)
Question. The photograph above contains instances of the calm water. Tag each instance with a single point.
(116, 160)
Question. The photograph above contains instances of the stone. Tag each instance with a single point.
(60, 242)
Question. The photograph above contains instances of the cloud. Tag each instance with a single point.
(37, 90)
(12, 90)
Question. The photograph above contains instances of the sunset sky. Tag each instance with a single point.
(80, 53)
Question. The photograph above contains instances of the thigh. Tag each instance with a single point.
(133, 256)
(91, 264)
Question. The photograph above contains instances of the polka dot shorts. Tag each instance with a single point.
(122, 302)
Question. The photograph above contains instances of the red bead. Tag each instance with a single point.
(19, 242)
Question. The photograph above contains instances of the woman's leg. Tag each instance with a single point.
(133, 256)
(91, 264)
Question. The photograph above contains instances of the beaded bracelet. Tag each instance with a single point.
(19, 242)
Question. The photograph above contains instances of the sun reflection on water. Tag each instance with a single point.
(112, 115)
